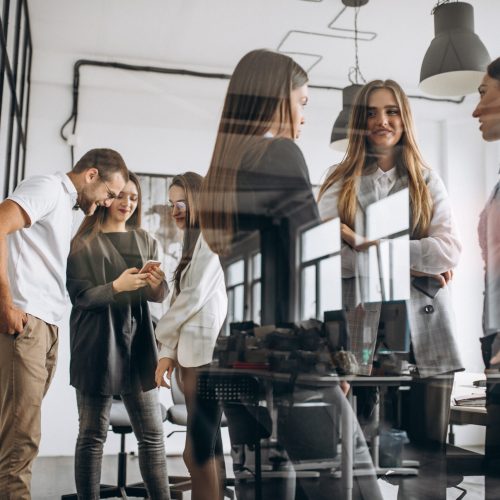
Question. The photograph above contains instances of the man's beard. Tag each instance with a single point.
(86, 203)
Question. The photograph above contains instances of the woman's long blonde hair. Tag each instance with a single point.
(257, 99)
(359, 156)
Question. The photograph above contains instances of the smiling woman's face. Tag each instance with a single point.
(384, 124)
(124, 204)
(177, 197)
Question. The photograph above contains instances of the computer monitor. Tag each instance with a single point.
(394, 329)
(337, 330)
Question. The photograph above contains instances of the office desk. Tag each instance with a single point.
(409, 467)
(348, 418)
(463, 415)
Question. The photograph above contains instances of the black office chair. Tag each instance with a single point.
(177, 415)
(120, 424)
(248, 422)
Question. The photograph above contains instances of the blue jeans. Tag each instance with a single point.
(144, 412)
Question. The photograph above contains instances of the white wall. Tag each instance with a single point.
(167, 124)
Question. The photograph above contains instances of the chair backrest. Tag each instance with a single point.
(233, 388)
(177, 394)
(239, 394)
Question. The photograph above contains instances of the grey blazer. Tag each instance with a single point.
(431, 321)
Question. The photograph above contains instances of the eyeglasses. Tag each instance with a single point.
(111, 195)
(179, 205)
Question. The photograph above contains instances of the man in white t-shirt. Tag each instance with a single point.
(35, 234)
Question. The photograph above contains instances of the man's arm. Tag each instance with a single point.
(12, 218)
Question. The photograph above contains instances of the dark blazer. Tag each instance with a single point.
(274, 196)
(110, 353)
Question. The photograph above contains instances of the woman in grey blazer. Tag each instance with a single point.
(187, 334)
(383, 158)
(113, 349)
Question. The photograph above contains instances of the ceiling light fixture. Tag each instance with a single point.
(338, 140)
(456, 59)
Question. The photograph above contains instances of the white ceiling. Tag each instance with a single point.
(213, 35)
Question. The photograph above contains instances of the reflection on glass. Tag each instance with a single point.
(236, 273)
(256, 291)
(388, 262)
(239, 303)
(330, 294)
(321, 240)
(388, 216)
(321, 278)
(400, 262)
(256, 271)
(309, 292)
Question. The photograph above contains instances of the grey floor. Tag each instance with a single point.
(53, 477)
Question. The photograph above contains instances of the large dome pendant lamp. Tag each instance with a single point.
(456, 59)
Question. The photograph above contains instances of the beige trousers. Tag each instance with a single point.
(27, 365)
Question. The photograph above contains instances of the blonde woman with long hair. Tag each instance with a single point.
(382, 158)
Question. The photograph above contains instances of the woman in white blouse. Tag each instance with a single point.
(188, 332)
(382, 158)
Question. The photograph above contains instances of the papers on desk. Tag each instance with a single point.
(470, 400)
(466, 391)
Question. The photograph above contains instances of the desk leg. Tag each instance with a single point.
(347, 449)
(376, 438)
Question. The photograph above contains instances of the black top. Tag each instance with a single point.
(126, 245)
(274, 196)
(112, 342)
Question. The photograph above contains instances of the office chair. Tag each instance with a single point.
(177, 415)
(248, 422)
(120, 424)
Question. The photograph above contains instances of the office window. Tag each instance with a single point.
(157, 220)
(387, 220)
(15, 71)
(320, 270)
(244, 287)
(255, 287)
(235, 285)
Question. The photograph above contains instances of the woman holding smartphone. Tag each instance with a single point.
(382, 158)
(188, 332)
(113, 348)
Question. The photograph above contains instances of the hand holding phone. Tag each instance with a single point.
(149, 265)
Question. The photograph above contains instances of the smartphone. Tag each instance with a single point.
(427, 285)
(150, 264)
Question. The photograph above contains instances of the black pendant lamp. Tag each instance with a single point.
(456, 59)
(339, 139)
